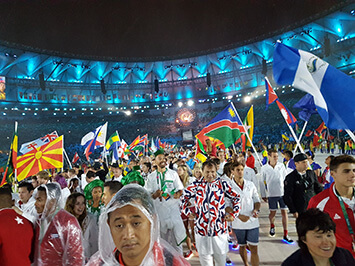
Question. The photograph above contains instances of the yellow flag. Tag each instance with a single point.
(249, 122)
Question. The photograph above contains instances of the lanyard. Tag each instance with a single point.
(346, 217)
(161, 178)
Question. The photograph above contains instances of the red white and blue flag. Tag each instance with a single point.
(31, 145)
(94, 139)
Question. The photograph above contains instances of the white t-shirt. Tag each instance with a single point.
(273, 178)
(248, 196)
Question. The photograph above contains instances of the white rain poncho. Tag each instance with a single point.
(160, 253)
(58, 234)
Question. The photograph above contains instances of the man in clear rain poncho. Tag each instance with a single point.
(58, 234)
(129, 232)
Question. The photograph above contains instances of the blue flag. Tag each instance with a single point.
(332, 90)
(308, 107)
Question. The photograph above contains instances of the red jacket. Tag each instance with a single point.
(61, 243)
(328, 202)
(16, 238)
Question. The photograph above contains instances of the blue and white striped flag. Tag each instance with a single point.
(333, 91)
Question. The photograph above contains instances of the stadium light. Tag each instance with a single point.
(190, 103)
(128, 113)
(180, 104)
(247, 99)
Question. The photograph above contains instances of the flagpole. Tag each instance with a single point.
(300, 138)
(66, 155)
(295, 137)
(235, 151)
(246, 133)
(351, 134)
(16, 124)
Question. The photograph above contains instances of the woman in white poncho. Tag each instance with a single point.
(129, 232)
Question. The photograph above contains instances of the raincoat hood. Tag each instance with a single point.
(159, 254)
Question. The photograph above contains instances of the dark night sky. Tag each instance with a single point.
(147, 29)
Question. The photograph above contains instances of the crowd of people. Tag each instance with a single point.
(143, 211)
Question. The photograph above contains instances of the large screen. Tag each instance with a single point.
(2, 88)
(187, 135)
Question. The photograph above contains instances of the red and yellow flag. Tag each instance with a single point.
(48, 156)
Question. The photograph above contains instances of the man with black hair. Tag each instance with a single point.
(110, 190)
(339, 200)
(146, 170)
(25, 191)
(300, 186)
(166, 188)
(101, 173)
(116, 171)
(16, 233)
(272, 176)
(58, 233)
(289, 162)
(26, 204)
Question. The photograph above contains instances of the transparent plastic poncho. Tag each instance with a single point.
(160, 253)
(58, 233)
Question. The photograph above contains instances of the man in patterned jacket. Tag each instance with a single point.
(211, 216)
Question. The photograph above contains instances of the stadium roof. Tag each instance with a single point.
(150, 30)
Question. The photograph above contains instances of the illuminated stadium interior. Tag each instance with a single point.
(144, 95)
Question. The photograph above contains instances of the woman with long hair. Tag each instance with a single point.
(76, 205)
(186, 180)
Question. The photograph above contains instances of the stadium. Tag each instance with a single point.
(164, 70)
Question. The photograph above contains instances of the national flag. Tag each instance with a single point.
(49, 137)
(9, 174)
(309, 133)
(321, 128)
(285, 137)
(226, 127)
(113, 145)
(153, 148)
(200, 148)
(144, 139)
(157, 143)
(75, 158)
(201, 157)
(306, 103)
(29, 146)
(122, 149)
(317, 138)
(94, 139)
(47, 156)
(134, 143)
(249, 125)
(290, 119)
(332, 90)
(270, 93)
(115, 138)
